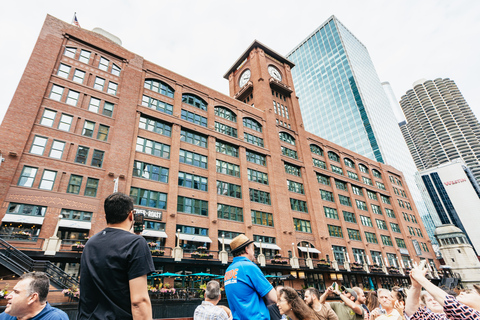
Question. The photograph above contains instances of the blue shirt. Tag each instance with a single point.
(245, 286)
(48, 313)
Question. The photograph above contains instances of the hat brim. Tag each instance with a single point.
(243, 245)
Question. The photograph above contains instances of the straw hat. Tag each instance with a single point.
(239, 242)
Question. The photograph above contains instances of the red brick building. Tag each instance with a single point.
(90, 117)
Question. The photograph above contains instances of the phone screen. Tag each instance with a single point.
(138, 221)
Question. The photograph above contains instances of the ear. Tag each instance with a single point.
(33, 298)
(130, 215)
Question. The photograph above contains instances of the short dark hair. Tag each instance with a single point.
(313, 291)
(39, 284)
(117, 206)
(212, 291)
(239, 252)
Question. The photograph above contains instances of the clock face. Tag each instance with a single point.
(274, 73)
(244, 77)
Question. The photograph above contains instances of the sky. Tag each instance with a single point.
(407, 40)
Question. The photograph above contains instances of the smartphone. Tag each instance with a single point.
(138, 222)
(343, 289)
(335, 286)
(382, 311)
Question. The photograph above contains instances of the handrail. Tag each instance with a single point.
(18, 262)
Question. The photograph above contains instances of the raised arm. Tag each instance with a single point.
(141, 305)
(270, 297)
(413, 298)
(323, 297)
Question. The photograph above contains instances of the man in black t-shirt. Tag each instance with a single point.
(114, 268)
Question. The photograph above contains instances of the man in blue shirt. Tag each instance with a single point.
(28, 300)
(248, 291)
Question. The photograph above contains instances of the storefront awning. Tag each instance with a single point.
(154, 233)
(195, 238)
(267, 246)
(22, 219)
(76, 224)
(227, 241)
(311, 250)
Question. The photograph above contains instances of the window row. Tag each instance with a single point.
(83, 56)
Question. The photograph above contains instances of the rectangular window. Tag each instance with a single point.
(228, 168)
(91, 187)
(371, 237)
(386, 240)
(192, 206)
(380, 185)
(354, 234)
(70, 52)
(231, 150)
(162, 107)
(56, 151)
(302, 225)
(56, 93)
(352, 175)
(74, 184)
(38, 145)
(99, 83)
(48, 179)
(88, 128)
(48, 117)
(385, 199)
(349, 217)
(72, 97)
(361, 205)
(84, 56)
(154, 125)
(193, 138)
(345, 200)
(376, 209)
(194, 118)
(377, 258)
(381, 224)
(257, 176)
(192, 181)
(390, 213)
(331, 213)
(102, 133)
(107, 109)
(97, 158)
(112, 88)
(229, 212)
(256, 158)
(149, 198)
(323, 179)
(372, 195)
(223, 128)
(63, 71)
(327, 195)
(82, 154)
(366, 221)
(367, 181)
(250, 138)
(296, 187)
(395, 227)
(229, 189)
(319, 163)
(103, 64)
(335, 231)
(65, 122)
(339, 254)
(78, 76)
(289, 152)
(193, 159)
(336, 169)
(26, 209)
(76, 215)
(150, 171)
(155, 148)
(116, 70)
(259, 196)
(357, 190)
(341, 185)
(94, 104)
(298, 205)
(262, 218)
(292, 169)
(401, 243)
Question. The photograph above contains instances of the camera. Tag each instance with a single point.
(138, 222)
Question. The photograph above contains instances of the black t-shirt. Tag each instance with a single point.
(274, 312)
(110, 259)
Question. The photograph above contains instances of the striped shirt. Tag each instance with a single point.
(209, 311)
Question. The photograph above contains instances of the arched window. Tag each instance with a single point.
(225, 113)
(376, 173)
(159, 86)
(316, 149)
(333, 156)
(287, 138)
(252, 124)
(349, 163)
(363, 168)
(195, 101)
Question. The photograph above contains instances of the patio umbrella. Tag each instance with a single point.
(169, 274)
(271, 276)
(204, 275)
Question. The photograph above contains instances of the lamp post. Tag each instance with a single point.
(293, 251)
(178, 238)
(223, 241)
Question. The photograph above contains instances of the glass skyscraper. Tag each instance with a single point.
(342, 100)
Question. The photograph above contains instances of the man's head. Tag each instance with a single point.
(117, 207)
(470, 297)
(311, 296)
(242, 246)
(349, 293)
(385, 298)
(430, 303)
(28, 295)
(212, 292)
(361, 299)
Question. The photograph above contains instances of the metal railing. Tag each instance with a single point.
(19, 263)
